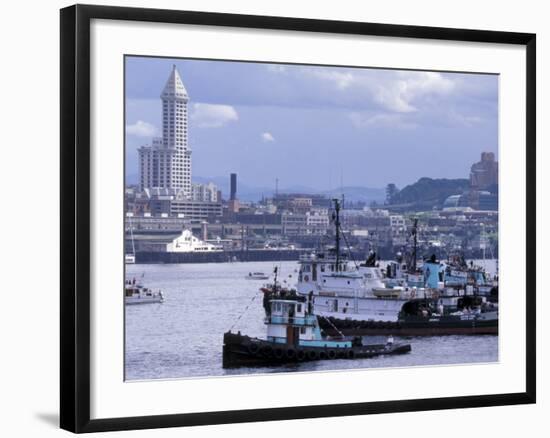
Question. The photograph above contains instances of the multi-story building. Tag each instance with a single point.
(317, 221)
(397, 222)
(484, 174)
(318, 218)
(166, 163)
(205, 192)
(195, 209)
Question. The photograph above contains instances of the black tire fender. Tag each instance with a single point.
(253, 349)
(267, 350)
(312, 355)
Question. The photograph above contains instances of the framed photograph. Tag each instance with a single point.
(269, 218)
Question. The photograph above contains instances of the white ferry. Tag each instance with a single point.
(186, 242)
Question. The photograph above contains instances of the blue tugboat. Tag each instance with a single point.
(294, 335)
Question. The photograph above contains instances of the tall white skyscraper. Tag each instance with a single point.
(166, 163)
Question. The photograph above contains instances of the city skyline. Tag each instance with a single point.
(320, 127)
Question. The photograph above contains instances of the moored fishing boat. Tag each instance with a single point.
(359, 299)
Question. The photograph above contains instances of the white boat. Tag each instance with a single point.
(343, 290)
(129, 259)
(257, 276)
(186, 242)
(350, 291)
(136, 293)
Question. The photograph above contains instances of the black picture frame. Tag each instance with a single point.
(75, 217)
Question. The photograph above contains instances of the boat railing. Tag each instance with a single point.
(294, 320)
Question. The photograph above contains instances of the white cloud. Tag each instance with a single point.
(392, 97)
(341, 79)
(208, 115)
(394, 121)
(406, 87)
(395, 91)
(267, 137)
(141, 129)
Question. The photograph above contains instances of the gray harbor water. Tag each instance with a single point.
(183, 337)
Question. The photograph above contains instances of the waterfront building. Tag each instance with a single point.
(205, 192)
(293, 223)
(159, 200)
(290, 201)
(317, 221)
(476, 199)
(233, 206)
(397, 222)
(147, 223)
(166, 163)
(195, 210)
(484, 174)
(300, 205)
(135, 202)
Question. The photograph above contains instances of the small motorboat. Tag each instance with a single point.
(136, 293)
(129, 259)
(257, 276)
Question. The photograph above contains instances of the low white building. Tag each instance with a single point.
(397, 221)
(317, 218)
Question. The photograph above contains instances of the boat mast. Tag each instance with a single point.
(275, 271)
(483, 243)
(414, 233)
(337, 225)
(132, 235)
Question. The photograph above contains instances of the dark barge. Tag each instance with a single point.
(412, 326)
(422, 317)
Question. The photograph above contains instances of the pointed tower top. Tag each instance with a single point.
(174, 88)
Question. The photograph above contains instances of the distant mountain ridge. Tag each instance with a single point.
(425, 191)
(249, 193)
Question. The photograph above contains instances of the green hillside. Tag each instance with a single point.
(430, 192)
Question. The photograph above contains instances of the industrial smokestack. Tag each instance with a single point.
(233, 190)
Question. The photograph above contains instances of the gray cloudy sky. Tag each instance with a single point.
(308, 125)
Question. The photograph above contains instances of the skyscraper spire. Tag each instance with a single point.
(174, 88)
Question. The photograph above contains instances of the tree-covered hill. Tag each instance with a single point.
(428, 192)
